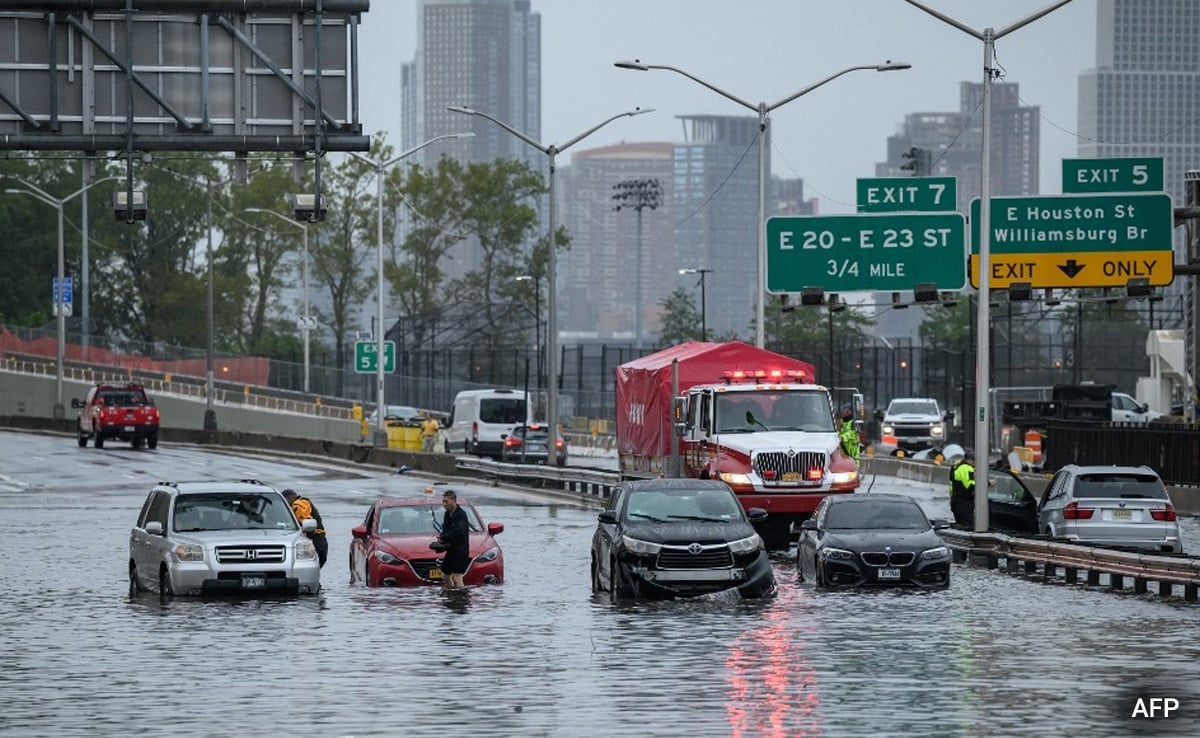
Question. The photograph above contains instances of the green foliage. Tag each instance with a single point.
(808, 328)
(680, 319)
(947, 327)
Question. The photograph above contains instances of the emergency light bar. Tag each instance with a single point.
(776, 375)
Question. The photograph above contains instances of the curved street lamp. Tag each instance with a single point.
(763, 109)
(551, 151)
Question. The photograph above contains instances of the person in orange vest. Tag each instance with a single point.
(304, 509)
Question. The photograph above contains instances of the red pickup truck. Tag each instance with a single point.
(120, 411)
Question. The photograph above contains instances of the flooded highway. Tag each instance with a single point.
(540, 655)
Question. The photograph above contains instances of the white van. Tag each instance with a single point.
(481, 418)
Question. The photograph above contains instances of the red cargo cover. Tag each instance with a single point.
(644, 387)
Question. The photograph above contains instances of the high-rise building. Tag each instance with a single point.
(716, 214)
(954, 141)
(479, 54)
(1143, 96)
(598, 276)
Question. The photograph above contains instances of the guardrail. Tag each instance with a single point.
(1078, 564)
(586, 482)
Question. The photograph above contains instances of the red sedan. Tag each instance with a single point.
(391, 547)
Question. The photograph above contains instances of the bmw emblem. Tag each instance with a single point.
(695, 549)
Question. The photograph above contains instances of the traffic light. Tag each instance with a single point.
(917, 160)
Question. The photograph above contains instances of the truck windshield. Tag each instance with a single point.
(775, 410)
(912, 407)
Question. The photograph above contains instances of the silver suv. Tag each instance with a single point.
(1115, 506)
(194, 538)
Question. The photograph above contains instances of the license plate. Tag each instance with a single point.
(792, 477)
(254, 581)
(435, 573)
(129, 429)
(888, 574)
(1122, 514)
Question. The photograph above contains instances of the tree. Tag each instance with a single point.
(947, 327)
(680, 319)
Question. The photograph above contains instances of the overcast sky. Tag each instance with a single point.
(763, 51)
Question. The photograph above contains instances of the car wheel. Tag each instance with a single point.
(152, 441)
(82, 438)
(620, 587)
(819, 580)
(99, 441)
(135, 587)
(164, 583)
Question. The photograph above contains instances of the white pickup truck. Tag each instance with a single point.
(1125, 409)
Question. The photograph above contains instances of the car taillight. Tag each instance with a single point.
(512, 442)
(1168, 514)
(474, 431)
(558, 443)
(1074, 512)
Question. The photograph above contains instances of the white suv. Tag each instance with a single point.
(194, 538)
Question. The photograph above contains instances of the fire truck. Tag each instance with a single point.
(752, 418)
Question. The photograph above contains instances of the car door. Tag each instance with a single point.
(148, 546)
(1124, 409)
(806, 546)
(1053, 499)
(606, 533)
(87, 414)
(360, 549)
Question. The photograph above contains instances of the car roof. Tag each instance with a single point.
(1101, 469)
(430, 500)
(207, 487)
(676, 485)
(856, 499)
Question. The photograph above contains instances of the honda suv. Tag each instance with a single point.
(120, 411)
(195, 538)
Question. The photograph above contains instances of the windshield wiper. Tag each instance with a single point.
(646, 517)
(698, 517)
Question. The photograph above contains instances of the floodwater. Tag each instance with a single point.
(539, 655)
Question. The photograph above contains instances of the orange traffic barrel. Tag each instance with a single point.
(1033, 441)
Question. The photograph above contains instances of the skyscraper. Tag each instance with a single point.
(1143, 96)
(480, 54)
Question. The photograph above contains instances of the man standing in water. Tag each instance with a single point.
(456, 537)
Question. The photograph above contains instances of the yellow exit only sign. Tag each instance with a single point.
(1076, 269)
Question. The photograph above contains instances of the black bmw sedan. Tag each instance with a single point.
(678, 538)
(872, 540)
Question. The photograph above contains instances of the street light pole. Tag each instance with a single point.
(551, 151)
(637, 194)
(703, 307)
(762, 109)
(60, 411)
(982, 360)
(305, 320)
(380, 167)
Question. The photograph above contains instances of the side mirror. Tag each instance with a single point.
(154, 528)
(609, 517)
(76, 403)
(879, 416)
(681, 429)
(1144, 408)
(756, 514)
(809, 524)
(495, 528)
(359, 532)
(503, 436)
(309, 525)
(939, 523)
(949, 417)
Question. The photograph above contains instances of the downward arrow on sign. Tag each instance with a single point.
(1071, 268)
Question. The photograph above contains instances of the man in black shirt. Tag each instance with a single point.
(456, 537)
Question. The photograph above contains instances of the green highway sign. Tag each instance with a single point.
(907, 194)
(851, 253)
(364, 357)
(1133, 174)
(1062, 223)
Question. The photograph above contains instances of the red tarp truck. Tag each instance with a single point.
(749, 417)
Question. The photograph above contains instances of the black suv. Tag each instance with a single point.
(678, 538)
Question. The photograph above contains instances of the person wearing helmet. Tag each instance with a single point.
(847, 433)
(962, 491)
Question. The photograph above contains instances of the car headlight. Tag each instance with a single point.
(386, 558)
(305, 550)
(189, 552)
(489, 555)
(935, 554)
(735, 478)
(746, 545)
(637, 546)
(888, 430)
(837, 554)
(844, 477)
(936, 430)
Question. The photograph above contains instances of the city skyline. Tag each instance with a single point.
(851, 118)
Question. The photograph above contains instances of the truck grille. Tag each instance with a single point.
(251, 554)
(679, 557)
(911, 431)
(883, 558)
(781, 463)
